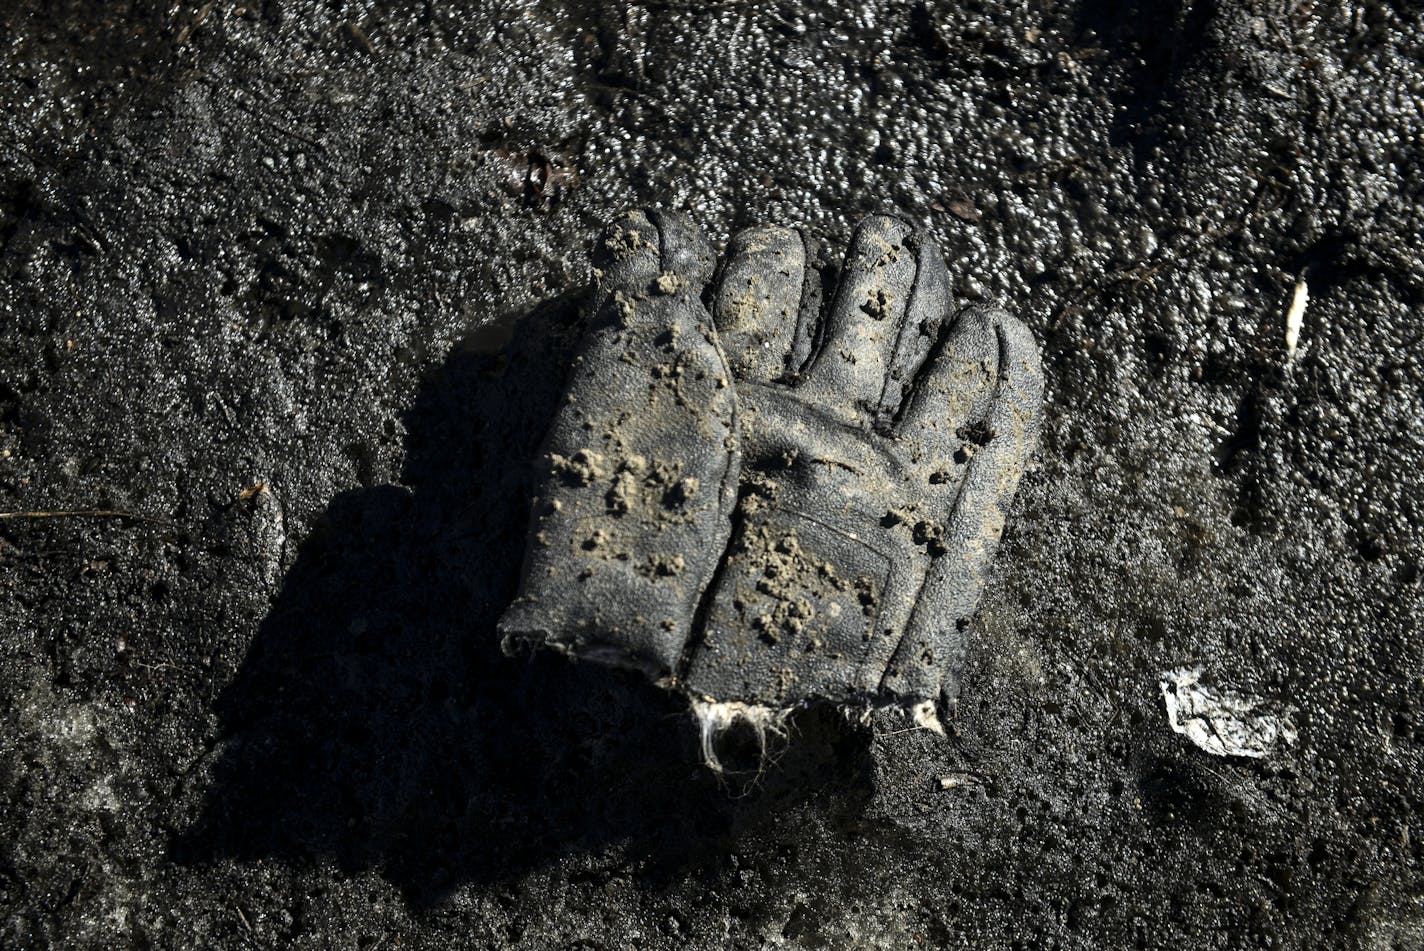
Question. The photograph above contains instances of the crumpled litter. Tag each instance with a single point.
(1221, 723)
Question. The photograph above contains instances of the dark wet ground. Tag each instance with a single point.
(247, 250)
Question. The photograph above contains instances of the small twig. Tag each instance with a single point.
(962, 778)
(89, 513)
(188, 28)
(910, 729)
(162, 665)
(275, 126)
(707, 6)
(16, 147)
(359, 35)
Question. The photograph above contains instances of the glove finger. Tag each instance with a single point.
(645, 253)
(863, 327)
(925, 315)
(641, 464)
(757, 302)
(927, 661)
(954, 387)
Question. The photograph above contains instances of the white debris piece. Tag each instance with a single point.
(1223, 724)
(715, 718)
(1295, 317)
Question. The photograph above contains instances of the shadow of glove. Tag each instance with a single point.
(632, 513)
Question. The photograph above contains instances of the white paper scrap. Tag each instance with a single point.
(1223, 724)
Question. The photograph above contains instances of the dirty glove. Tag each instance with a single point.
(639, 477)
(881, 445)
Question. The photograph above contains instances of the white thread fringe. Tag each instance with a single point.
(715, 718)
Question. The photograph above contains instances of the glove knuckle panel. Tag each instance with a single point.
(795, 613)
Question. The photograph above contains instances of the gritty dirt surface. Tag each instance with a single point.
(250, 257)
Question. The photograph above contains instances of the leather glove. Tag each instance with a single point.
(869, 453)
